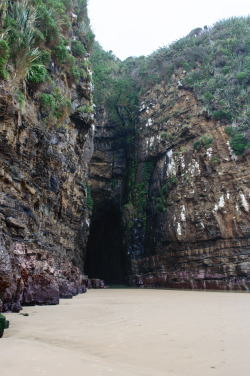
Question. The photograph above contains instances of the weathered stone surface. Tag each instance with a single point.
(108, 163)
(96, 283)
(37, 279)
(44, 218)
(195, 230)
(198, 236)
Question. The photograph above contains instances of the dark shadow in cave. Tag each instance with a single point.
(106, 258)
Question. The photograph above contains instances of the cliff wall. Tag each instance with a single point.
(46, 143)
(196, 223)
(169, 175)
(184, 194)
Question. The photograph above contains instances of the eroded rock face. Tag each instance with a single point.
(44, 218)
(197, 224)
(108, 164)
(184, 194)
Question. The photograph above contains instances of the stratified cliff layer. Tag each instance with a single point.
(183, 118)
(197, 214)
(46, 142)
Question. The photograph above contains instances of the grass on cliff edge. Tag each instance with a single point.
(215, 61)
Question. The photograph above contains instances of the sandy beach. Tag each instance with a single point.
(131, 332)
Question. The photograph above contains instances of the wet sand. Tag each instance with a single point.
(131, 332)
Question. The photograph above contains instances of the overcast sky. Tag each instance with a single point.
(139, 27)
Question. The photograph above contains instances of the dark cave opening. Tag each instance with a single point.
(106, 257)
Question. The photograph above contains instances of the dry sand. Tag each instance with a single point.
(131, 332)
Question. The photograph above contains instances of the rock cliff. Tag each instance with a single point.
(46, 143)
(196, 226)
(184, 192)
(169, 175)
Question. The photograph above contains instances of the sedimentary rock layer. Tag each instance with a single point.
(197, 227)
(183, 191)
(46, 143)
(43, 211)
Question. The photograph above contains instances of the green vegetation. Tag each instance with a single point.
(216, 64)
(159, 202)
(37, 74)
(115, 88)
(105, 67)
(86, 109)
(47, 102)
(20, 98)
(222, 115)
(76, 73)
(63, 105)
(4, 324)
(220, 72)
(141, 189)
(113, 183)
(34, 31)
(4, 54)
(238, 141)
(89, 199)
(138, 195)
(205, 141)
(77, 48)
(55, 107)
(241, 75)
(164, 135)
(19, 28)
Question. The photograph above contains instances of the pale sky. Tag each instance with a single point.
(139, 27)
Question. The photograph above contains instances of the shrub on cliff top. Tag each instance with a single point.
(239, 143)
(37, 74)
(222, 115)
(30, 26)
(86, 109)
(209, 64)
(77, 48)
(4, 54)
(205, 141)
(21, 25)
(48, 102)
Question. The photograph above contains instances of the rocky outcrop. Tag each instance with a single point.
(43, 212)
(197, 227)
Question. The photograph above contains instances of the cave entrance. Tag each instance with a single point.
(106, 257)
